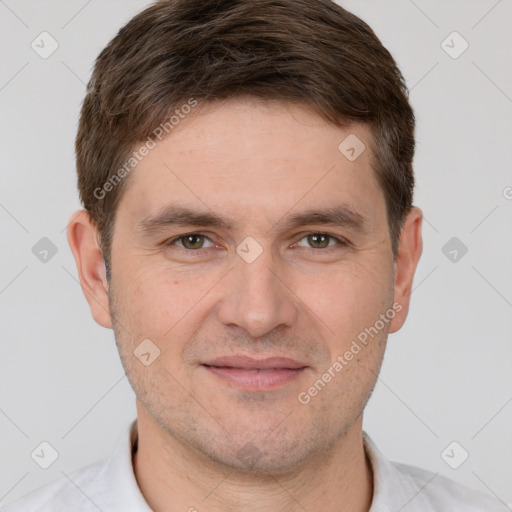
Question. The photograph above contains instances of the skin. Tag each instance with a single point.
(254, 163)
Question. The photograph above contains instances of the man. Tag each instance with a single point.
(249, 235)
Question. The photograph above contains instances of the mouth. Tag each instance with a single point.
(255, 374)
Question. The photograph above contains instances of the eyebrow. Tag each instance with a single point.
(337, 216)
(176, 215)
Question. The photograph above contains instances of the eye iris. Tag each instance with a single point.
(318, 241)
(193, 241)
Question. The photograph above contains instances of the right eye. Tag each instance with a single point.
(190, 241)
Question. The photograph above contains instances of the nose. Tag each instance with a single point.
(257, 297)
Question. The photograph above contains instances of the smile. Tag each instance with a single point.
(253, 374)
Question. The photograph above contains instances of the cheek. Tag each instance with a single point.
(349, 299)
(145, 299)
(161, 303)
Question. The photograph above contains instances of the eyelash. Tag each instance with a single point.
(341, 241)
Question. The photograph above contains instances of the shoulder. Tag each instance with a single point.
(400, 486)
(443, 494)
(76, 491)
(106, 485)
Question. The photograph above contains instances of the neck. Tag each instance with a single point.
(175, 478)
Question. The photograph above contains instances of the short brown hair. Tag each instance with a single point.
(312, 52)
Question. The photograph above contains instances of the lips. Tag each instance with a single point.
(255, 374)
(248, 363)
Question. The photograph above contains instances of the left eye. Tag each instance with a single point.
(318, 241)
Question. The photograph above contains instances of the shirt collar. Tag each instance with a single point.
(120, 477)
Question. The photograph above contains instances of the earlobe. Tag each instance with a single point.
(83, 239)
(409, 252)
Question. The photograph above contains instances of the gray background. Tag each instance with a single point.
(446, 376)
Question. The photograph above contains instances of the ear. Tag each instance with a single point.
(409, 252)
(83, 238)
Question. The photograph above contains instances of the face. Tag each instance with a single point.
(256, 258)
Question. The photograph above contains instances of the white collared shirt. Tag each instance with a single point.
(110, 486)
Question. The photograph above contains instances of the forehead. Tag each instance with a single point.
(256, 157)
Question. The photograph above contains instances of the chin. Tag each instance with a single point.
(262, 453)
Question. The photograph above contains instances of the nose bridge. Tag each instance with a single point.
(257, 299)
